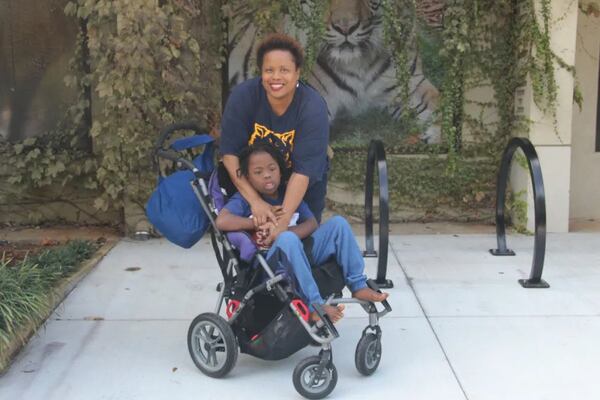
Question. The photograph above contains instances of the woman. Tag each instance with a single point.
(279, 109)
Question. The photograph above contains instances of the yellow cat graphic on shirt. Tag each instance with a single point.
(284, 142)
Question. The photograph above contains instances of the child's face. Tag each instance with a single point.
(263, 173)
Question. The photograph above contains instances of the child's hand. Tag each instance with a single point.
(262, 233)
(274, 233)
(266, 228)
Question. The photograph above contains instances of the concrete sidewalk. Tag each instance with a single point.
(461, 328)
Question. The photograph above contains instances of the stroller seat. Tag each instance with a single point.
(328, 276)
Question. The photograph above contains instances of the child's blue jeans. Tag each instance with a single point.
(333, 238)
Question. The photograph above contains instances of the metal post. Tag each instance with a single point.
(376, 155)
(535, 278)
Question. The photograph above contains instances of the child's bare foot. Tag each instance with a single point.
(368, 294)
(335, 313)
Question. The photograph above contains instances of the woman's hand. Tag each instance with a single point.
(262, 213)
(278, 211)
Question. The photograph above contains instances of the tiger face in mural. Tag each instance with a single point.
(354, 70)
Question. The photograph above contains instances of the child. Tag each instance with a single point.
(261, 165)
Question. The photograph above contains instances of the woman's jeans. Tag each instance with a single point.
(332, 239)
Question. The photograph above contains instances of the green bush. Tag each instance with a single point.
(26, 287)
(423, 182)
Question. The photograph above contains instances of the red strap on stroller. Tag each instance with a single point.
(301, 308)
(232, 306)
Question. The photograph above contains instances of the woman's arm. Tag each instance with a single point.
(296, 188)
(306, 228)
(261, 210)
(226, 221)
(294, 193)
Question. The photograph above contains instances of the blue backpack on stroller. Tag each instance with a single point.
(263, 317)
(173, 208)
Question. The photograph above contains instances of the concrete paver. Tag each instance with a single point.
(462, 328)
(533, 357)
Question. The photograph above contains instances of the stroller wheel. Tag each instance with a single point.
(368, 354)
(212, 345)
(308, 384)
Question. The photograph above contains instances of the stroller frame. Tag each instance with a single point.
(314, 377)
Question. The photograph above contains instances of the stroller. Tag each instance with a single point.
(264, 317)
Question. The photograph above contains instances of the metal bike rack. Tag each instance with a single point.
(375, 156)
(535, 278)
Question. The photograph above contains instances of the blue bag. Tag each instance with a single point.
(173, 207)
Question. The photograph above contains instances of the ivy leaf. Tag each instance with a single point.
(90, 184)
(13, 180)
(100, 204)
(36, 174)
(479, 196)
(33, 154)
(194, 46)
(175, 51)
(104, 89)
(89, 165)
(54, 169)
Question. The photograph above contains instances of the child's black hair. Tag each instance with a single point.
(262, 147)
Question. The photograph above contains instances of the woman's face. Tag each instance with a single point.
(264, 174)
(279, 75)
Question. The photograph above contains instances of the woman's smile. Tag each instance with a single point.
(279, 77)
(276, 86)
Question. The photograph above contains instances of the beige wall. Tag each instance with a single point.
(585, 162)
(553, 142)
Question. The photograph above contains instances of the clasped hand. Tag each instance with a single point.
(266, 220)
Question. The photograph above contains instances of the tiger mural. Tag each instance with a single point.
(354, 70)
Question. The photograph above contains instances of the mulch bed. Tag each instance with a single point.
(17, 251)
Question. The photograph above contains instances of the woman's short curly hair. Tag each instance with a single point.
(280, 41)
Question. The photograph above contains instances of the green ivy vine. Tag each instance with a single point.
(146, 64)
(399, 34)
(311, 20)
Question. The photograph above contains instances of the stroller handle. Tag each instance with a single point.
(169, 129)
(165, 133)
(173, 156)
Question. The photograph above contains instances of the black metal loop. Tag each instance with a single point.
(376, 155)
(166, 133)
(535, 278)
